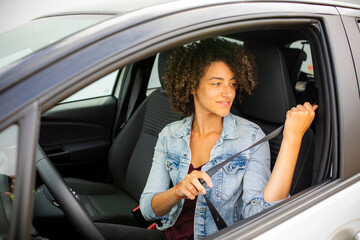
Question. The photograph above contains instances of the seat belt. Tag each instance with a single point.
(219, 221)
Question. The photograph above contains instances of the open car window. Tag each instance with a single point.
(140, 81)
(101, 88)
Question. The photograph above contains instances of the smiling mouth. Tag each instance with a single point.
(224, 103)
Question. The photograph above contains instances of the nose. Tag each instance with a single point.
(227, 90)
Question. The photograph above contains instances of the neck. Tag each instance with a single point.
(208, 124)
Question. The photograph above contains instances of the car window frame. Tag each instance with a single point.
(350, 18)
(275, 210)
(351, 21)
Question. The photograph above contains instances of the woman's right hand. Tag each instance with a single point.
(191, 186)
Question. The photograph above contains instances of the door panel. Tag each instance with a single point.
(76, 136)
(336, 217)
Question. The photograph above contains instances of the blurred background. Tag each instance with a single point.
(16, 12)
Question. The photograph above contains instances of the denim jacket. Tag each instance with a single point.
(238, 187)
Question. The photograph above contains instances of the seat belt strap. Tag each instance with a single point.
(268, 137)
(219, 221)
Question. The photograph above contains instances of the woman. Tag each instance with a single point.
(202, 81)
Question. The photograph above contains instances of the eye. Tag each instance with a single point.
(216, 84)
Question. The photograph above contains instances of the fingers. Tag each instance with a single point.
(186, 191)
(191, 186)
(298, 120)
(310, 107)
(307, 107)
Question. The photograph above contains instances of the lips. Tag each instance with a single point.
(224, 103)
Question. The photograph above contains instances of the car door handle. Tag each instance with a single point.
(58, 155)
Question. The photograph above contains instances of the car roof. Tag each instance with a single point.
(122, 7)
(109, 7)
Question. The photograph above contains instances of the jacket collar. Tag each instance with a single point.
(229, 130)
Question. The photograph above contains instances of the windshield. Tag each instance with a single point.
(37, 34)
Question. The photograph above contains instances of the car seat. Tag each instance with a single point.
(268, 105)
(130, 160)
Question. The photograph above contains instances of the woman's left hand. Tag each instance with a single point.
(298, 120)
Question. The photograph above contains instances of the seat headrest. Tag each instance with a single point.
(159, 69)
(273, 95)
(294, 58)
(163, 64)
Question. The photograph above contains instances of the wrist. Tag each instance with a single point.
(294, 139)
(175, 191)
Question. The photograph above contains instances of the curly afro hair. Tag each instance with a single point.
(188, 64)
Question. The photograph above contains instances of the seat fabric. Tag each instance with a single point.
(104, 201)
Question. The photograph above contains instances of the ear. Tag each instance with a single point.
(193, 92)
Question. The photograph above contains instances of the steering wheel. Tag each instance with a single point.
(71, 206)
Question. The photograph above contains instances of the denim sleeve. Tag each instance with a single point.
(256, 177)
(158, 179)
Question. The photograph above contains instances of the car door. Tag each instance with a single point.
(76, 133)
(122, 46)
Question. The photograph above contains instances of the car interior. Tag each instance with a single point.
(103, 146)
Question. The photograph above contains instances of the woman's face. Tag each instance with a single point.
(216, 91)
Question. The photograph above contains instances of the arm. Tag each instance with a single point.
(158, 179)
(298, 120)
(256, 176)
(163, 202)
